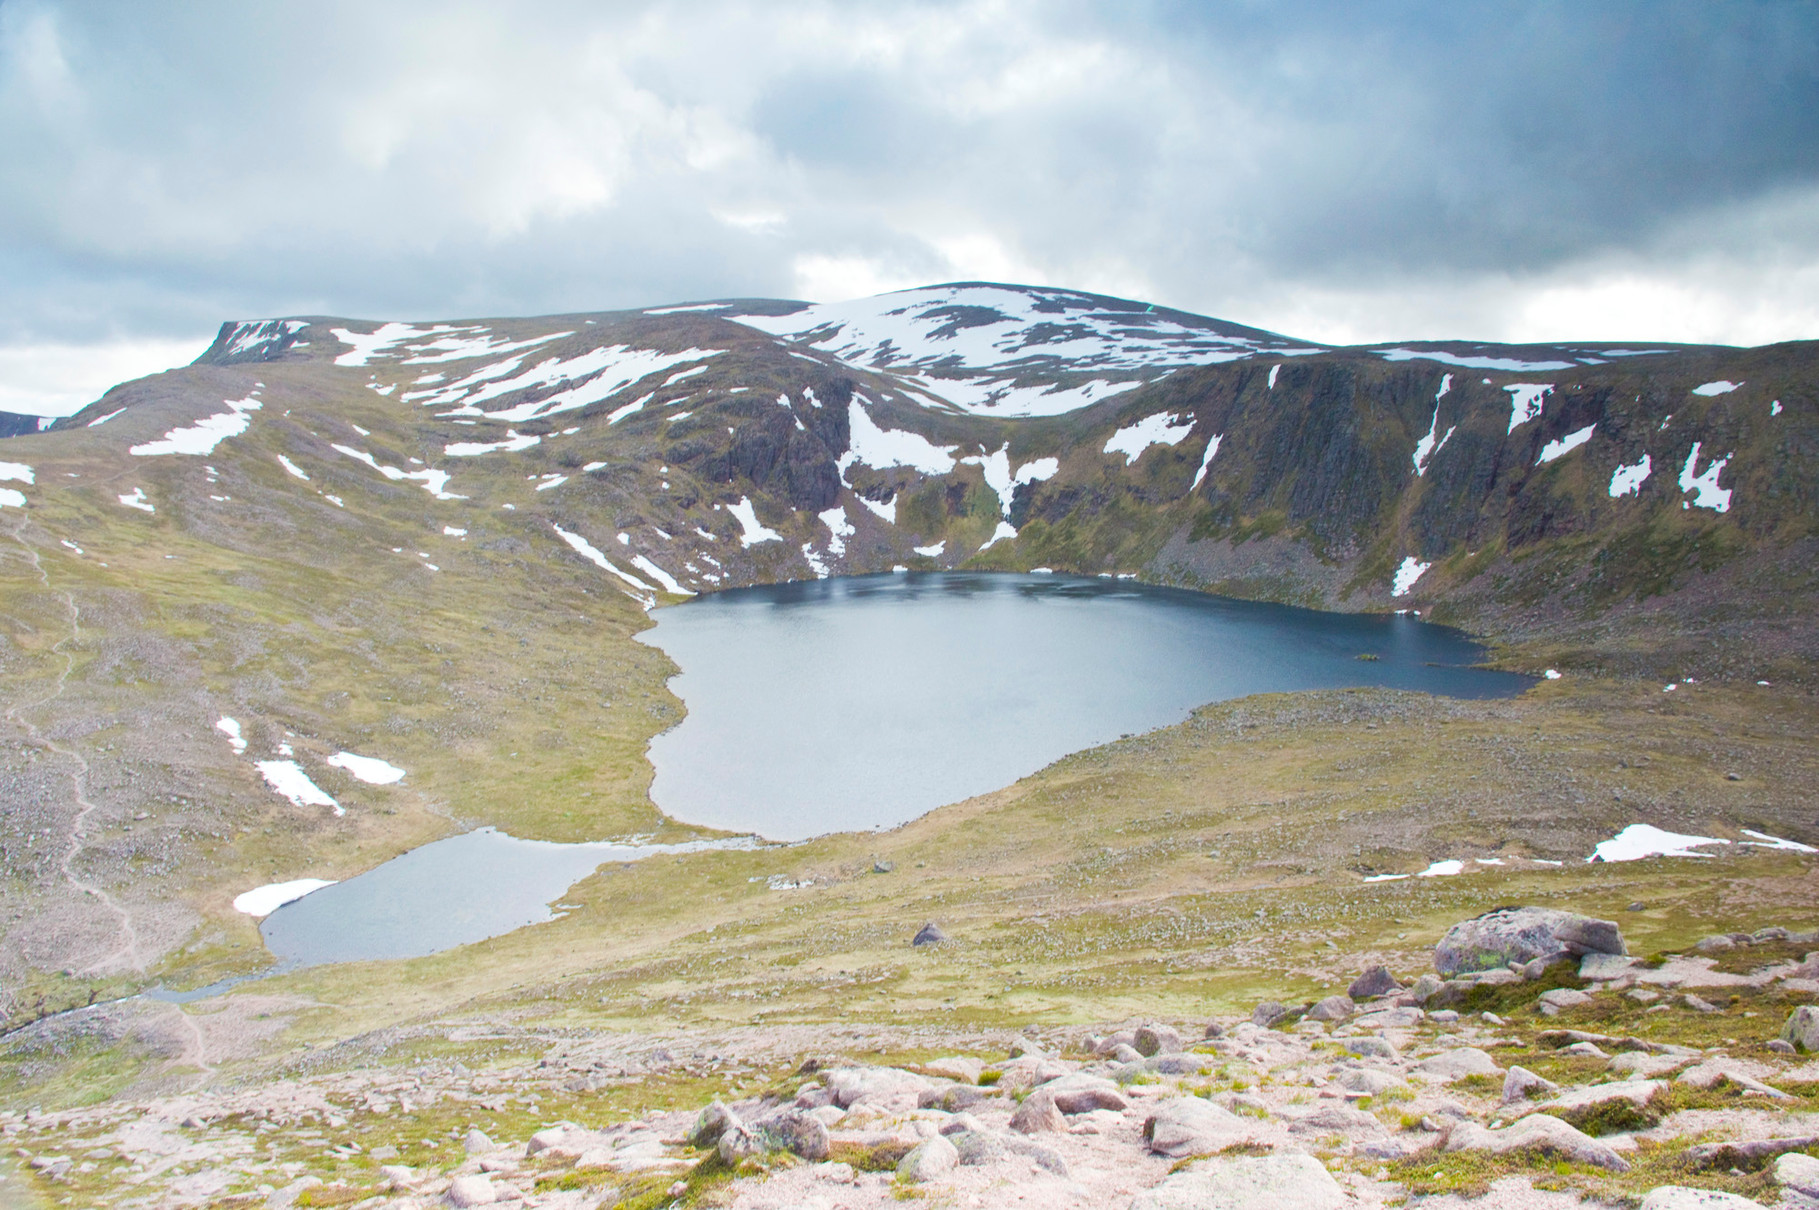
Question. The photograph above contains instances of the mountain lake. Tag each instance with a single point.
(862, 702)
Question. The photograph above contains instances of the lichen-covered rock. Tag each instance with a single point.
(976, 1147)
(738, 1143)
(929, 1160)
(795, 1131)
(1538, 1132)
(1520, 1084)
(1523, 934)
(1281, 1182)
(1802, 1029)
(1268, 1013)
(1375, 981)
(710, 1124)
(1333, 1008)
(1156, 1040)
(1183, 1126)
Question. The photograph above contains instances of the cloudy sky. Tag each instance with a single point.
(1340, 172)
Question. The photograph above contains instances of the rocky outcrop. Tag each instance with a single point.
(1519, 935)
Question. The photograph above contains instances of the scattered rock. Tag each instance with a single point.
(545, 1140)
(1268, 1013)
(1046, 1157)
(1398, 1017)
(1126, 1054)
(475, 1143)
(1333, 1008)
(928, 1160)
(738, 1143)
(1156, 1040)
(976, 1147)
(1562, 997)
(710, 1124)
(954, 1098)
(1450, 1065)
(1289, 1181)
(1521, 935)
(1371, 1048)
(1712, 1072)
(1799, 1172)
(1183, 1126)
(1336, 1119)
(1718, 943)
(1083, 1094)
(1421, 991)
(794, 1131)
(1748, 1154)
(1521, 1084)
(1777, 1046)
(472, 1191)
(883, 867)
(1375, 981)
(1599, 968)
(1537, 1132)
(1680, 1197)
(1369, 1081)
(1595, 1102)
(1802, 1028)
(1037, 1115)
(1698, 1003)
(1584, 1050)
(878, 1085)
(1637, 906)
(929, 934)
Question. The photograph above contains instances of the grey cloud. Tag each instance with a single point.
(166, 168)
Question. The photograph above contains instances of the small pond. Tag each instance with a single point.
(863, 702)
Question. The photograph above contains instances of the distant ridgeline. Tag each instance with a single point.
(1523, 490)
(17, 424)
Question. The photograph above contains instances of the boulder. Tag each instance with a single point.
(1183, 1126)
(1748, 1154)
(1289, 1181)
(1371, 1048)
(1046, 1157)
(1037, 1115)
(1682, 1197)
(1082, 1094)
(884, 1086)
(1399, 1017)
(1717, 943)
(1521, 1084)
(1599, 968)
(738, 1143)
(1579, 1105)
(928, 1160)
(1799, 1173)
(1520, 935)
(1156, 1040)
(710, 1124)
(795, 1131)
(476, 1142)
(1372, 1083)
(976, 1147)
(1336, 1119)
(1420, 991)
(1126, 1054)
(1107, 1045)
(1450, 1065)
(1802, 1029)
(929, 934)
(472, 1191)
(1268, 1013)
(1537, 1132)
(1553, 1001)
(1375, 981)
(1333, 1008)
(1180, 1064)
(954, 1098)
(550, 1139)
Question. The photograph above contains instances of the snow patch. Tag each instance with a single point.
(288, 779)
(1721, 387)
(1274, 370)
(133, 499)
(1427, 447)
(203, 436)
(588, 551)
(663, 578)
(1565, 445)
(101, 420)
(1206, 459)
(754, 531)
(887, 511)
(933, 552)
(1710, 495)
(838, 527)
(263, 901)
(1004, 532)
(369, 769)
(16, 471)
(292, 468)
(12, 499)
(1641, 840)
(882, 448)
(1159, 429)
(434, 481)
(1513, 364)
(1626, 480)
(1765, 841)
(1412, 569)
(231, 728)
(1526, 401)
(473, 449)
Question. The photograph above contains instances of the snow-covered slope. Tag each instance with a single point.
(1017, 350)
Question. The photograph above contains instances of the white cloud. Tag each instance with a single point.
(62, 379)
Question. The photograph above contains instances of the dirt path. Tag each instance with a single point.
(128, 950)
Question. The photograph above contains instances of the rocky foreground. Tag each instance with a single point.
(1539, 1064)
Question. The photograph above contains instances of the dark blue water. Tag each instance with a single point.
(863, 702)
